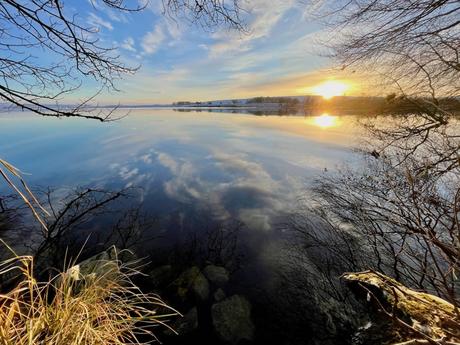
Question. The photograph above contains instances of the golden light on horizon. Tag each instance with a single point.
(325, 121)
(331, 88)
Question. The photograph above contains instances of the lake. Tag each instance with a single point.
(198, 157)
(231, 178)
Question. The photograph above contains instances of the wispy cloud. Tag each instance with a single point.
(179, 61)
(125, 173)
(116, 16)
(153, 39)
(128, 44)
(262, 20)
(97, 22)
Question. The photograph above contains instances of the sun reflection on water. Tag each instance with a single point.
(325, 121)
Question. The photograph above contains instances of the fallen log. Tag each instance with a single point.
(423, 318)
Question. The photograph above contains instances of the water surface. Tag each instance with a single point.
(231, 163)
(191, 169)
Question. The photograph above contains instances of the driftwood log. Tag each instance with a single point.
(423, 318)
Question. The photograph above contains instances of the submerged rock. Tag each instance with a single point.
(217, 275)
(160, 276)
(200, 287)
(232, 319)
(219, 295)
(184, 282)
(191, 281)
(186, 324)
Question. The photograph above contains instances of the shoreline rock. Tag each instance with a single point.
(232, 321)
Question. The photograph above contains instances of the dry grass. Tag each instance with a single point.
(73, 308)
(26, 195)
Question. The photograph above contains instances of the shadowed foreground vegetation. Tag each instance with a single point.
(95, 302)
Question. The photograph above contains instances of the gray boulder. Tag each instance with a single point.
(186, 324)
(232, 319)
(105, 264)
(217, 275)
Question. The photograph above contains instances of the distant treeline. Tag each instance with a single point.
(389, 104)
(275, 100)
(344, 104)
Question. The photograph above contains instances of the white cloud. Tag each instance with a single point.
(248, 179)
(153, 39)
(173, 28)
(168, 162)
(264, 19)
(96, 4)
(172, 75)
(147, 158)
(128, 44)
(117, 17)
(156, 7)
(126, 173)
(185, 185)
(165, 27)
(96, 21)
(238, 163)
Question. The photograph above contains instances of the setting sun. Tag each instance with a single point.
(330, 89)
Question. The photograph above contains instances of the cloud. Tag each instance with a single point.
(116, 17)
(172, 75)
(153, 39)
(173, 28)
(276, 57)
(128, 44)
(262, 20)
(244, 188)
(184, 186)
(168, 162)
(239, 164)
(147, 158)
(96, 21)
(126, 173)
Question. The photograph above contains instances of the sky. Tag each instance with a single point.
(179, 61)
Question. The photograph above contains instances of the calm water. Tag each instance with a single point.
(234, 164)
(192, 169)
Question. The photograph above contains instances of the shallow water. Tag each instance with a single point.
(192, 170)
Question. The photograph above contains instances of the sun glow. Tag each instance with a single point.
(331, 88)
(325, 121)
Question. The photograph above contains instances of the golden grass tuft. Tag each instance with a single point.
(26, 195)
(103, 307)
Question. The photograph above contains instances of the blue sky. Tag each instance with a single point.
(179, 61)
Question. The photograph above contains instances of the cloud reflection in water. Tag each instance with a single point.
(236, 166)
